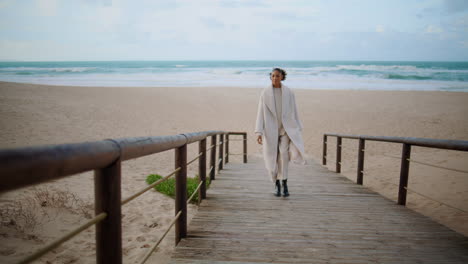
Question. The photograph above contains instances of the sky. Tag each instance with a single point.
(101, 30)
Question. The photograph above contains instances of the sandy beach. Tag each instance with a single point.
(38, 114)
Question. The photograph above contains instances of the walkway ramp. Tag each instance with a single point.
(327, 219)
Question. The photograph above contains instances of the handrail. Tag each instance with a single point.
(34, 165)
(460, 145)
(450, 144)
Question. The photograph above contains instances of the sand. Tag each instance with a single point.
(36, 115)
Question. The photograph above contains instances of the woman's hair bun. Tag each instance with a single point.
(283, 72)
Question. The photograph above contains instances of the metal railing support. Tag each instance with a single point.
(227, 148)
(405, 156)
(360, 167)
(220, 153)
(244, 136)
(338, 154)
(107, 190)
(202, 169)
(324, 156)
(181, 193)
(213, 157)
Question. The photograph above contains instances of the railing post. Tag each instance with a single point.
(202, 169)
(107, 195)
(220, 154)
(244, 136)
(360, 167)
(213, 158)
(338, 154)
(405, 156)
(227, 148)
(324, 156)
(181, 193)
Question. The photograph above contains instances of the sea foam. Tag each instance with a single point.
(451, 76)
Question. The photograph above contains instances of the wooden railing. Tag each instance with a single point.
(33, 165)
(460, 145)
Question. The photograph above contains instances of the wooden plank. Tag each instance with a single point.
(327, 219)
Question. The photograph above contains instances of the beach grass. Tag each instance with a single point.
(168, 187)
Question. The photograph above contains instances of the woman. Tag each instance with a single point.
(279, 130)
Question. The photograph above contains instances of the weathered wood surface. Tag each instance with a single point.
(327, 219)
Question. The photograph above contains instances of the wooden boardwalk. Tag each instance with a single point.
(327, 219)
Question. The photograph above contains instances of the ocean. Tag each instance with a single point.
(355, 75)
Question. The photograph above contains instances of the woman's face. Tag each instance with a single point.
(276, 77)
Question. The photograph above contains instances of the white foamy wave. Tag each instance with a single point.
(364, 67)
(74, 69)
(42, 69)
(221, 71)
(317, 75)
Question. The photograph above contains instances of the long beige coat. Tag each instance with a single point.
(267, 126)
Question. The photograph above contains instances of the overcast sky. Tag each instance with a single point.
(234, 30)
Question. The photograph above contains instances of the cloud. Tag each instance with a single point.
(105, 18)
(455, 6)
(241, 3)
(461, 24)
(224, 29)
(47, 7)
(99, 2)
(464, 44)
(433, 29)
(28, 49)
(5, 3)
(379, 28)
(212, 22)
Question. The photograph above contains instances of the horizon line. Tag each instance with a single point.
(250, 60)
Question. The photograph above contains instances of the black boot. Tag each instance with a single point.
(285, 188)
(277, 189)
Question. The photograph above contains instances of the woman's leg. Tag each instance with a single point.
(284, 162)
(283, 157)
(275, 176)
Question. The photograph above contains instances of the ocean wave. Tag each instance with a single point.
(24, 73)
(367, 67)
(45, 69)
(408, 77)
(329, 75)
(385, 72)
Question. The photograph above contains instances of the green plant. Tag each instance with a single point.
(168, 187)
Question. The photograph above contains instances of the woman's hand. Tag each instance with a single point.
(259, 140)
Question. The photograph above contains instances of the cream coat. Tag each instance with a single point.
(267, 126)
